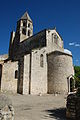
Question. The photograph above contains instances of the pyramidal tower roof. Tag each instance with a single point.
(26, 16)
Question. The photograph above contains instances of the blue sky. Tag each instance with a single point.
(64, 14)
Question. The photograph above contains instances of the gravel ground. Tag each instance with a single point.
(46, 107)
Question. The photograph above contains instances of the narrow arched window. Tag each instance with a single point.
(55, 38)
(24, 24)
(28, 32)
(41, 60)
(24, 31)
(16, 74)
(29, 25)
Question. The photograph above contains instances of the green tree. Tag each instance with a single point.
(77, 75)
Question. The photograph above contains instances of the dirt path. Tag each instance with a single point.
(47, 107)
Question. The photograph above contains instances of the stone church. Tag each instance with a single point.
(35, 64)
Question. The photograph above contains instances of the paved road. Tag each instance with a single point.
(47, 107)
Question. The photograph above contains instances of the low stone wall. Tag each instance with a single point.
(9, 80)
(73, 107)
(6, 108)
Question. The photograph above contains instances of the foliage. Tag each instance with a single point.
(77, 75)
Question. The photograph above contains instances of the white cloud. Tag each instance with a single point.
(77, 45)
(71, 44)
(77, 60)
(74, 44)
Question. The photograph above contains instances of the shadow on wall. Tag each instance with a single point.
(0, 75)
(58, 114)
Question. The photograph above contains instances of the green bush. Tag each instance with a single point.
(77, 76)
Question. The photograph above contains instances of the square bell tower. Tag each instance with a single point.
(24, 27)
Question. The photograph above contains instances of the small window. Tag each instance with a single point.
(16, 74)
(29, 25)
(28, 32)
(55, 39)
(24, 31)
(41, 60)
(24, 24)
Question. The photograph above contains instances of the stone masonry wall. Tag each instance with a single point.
(50, 42)
(38, 73)
(59, 68)
(73, 107)
(26, 74)
(20, 77)
(34, 42)
(8, 81)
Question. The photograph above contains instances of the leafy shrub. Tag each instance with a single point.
(77, 76)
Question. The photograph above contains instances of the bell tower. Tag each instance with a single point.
(24, 27)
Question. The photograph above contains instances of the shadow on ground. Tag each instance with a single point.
(58, 114)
